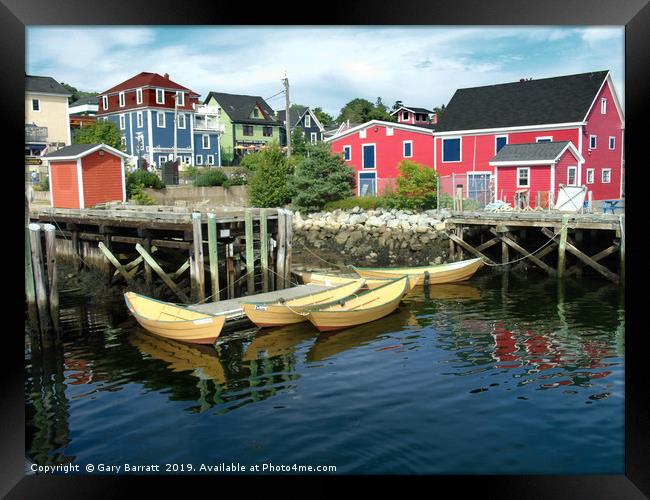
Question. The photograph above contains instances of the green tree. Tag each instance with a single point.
(439, 111)
(361, 110)
(100, 132)
(325, 119)
(76, 94)
(380, 112)
(416, 186)
(321, 178)
(396, 106)
(269, 183)
(298, 143)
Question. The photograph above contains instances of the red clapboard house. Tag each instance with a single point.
(478, 132)
(84, 175)
(375, 148)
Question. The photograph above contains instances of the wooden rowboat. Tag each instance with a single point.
(280, 313)
(332, 280)
(365, 307)
(172, 321)
(444, 273)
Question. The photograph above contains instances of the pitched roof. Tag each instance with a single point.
(44, 84)
(542, 152)
(146, 79)
(561, 99)
(92, 100)
(239, 107)
(295, 112)
(381, 123)
(414, 110)
(80, 150)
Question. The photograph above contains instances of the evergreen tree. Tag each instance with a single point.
(298, 143)
(100, 132)
(269, 184)
(325, 119)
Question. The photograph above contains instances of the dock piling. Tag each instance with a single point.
(39, 276)
(30, 291)
(50, 252)
(198, 256)
(264, 250)
(250, 255)
(213, 255)
(561, 256)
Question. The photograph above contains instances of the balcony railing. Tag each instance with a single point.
(201, 123)
(34, 133)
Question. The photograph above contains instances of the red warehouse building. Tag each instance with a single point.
(375, 148)
(83, 175)
(582, 109)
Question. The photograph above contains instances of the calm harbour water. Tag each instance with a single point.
(502, 375)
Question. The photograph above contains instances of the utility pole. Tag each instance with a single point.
(287, 114)
(175, 122)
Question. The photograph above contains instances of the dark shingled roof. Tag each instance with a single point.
(415, 110)
(45, 84)
(533, 151)
(86, 100)
(295, 112)
(239, 107)
(560, 99)
(73, 150)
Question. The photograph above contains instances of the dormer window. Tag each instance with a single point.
(160, 96)
(138, 96)
(256, 113)
(122, 101)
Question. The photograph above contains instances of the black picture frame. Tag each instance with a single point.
(634, 14)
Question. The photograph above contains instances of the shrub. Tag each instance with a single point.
(321, 178)
(416, 186)
(139, 196)
(143, 178)
(211, 177)
(446, 201)
(269, 183)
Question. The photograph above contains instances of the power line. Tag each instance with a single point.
(281, 92)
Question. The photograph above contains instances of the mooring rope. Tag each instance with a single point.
(66, 238)
(318, 257)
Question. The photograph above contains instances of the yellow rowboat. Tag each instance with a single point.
(444, 273)
(172, 321)
(365, 307)
(280, 313)
(331, 280)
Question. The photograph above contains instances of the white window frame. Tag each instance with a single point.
(307, 121)
(595, 139)
(181, 115)
(603, 106)
(363, 156)
(123, 140)
(602, 176)
(460, 145)
(363, 134)
(180, 98)
(499, 137)
(591, 174)
(105, 102)
(519, 169)
(349, 148)
(122, 99)
(199, 159)
(390, 131)
(575, 176)
(162, 93)
(544, 138)
(313, 137)
(203, 138)
(39, 106)
(406, 115)
(209, 159)
(158, 115)
(188, 160)
(122, 122)
(139, 120)
(359, 181)
(138, 96)
(612, 138)
(404, 143)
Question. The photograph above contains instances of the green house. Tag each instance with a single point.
(249, 123)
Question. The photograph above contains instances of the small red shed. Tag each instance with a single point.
(83, 175)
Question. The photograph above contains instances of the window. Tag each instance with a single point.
(123, 141)
(199, 159)
(138, 96)
(368, 156)
(593, 140)
(362, 134)
(572, 173)
(105, 101)
(307, 121)
(36, 104)
(499, 142)
(612, 143)
(389, 131)
(188, 160)
(210, 160)
(160, 96)
(607, 175)
(451, 149)
(548, 138)
(267, 131)
(603, 106)
(205, 139)
(180, 98)
(122, 122)
(122, 102)
(248, 129)
(407, 149)
(314, 137)
(160, 117)
(590, 176)
(523, 177)
(256, 113)
(181, 120)
(139, 119)
(405, 115)
(367, 183)
(347, 153)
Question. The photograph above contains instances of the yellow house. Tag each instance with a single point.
(46, 115)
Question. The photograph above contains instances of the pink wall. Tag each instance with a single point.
(540, 180)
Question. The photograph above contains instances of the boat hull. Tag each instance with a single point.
(445, 273)
(331, 280)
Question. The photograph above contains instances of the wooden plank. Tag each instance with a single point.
(288, 246)
(157, 269)
(264, 250)
(470, 249)
(213, 255)
(487, 244)
(610, 226)
(524, 252)
(50, 253)
(109, 255)
(561, 255)
(132, 266)
(181, 270)
(250, 255)
(599, 256)
(30, 290)
(282, 250)
(230, 270)
(39, 276)
(198, 256)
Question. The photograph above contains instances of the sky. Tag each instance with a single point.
(326, 66)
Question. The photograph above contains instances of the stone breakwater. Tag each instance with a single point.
(380, 237)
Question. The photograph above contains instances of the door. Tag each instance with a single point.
(367, 184)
